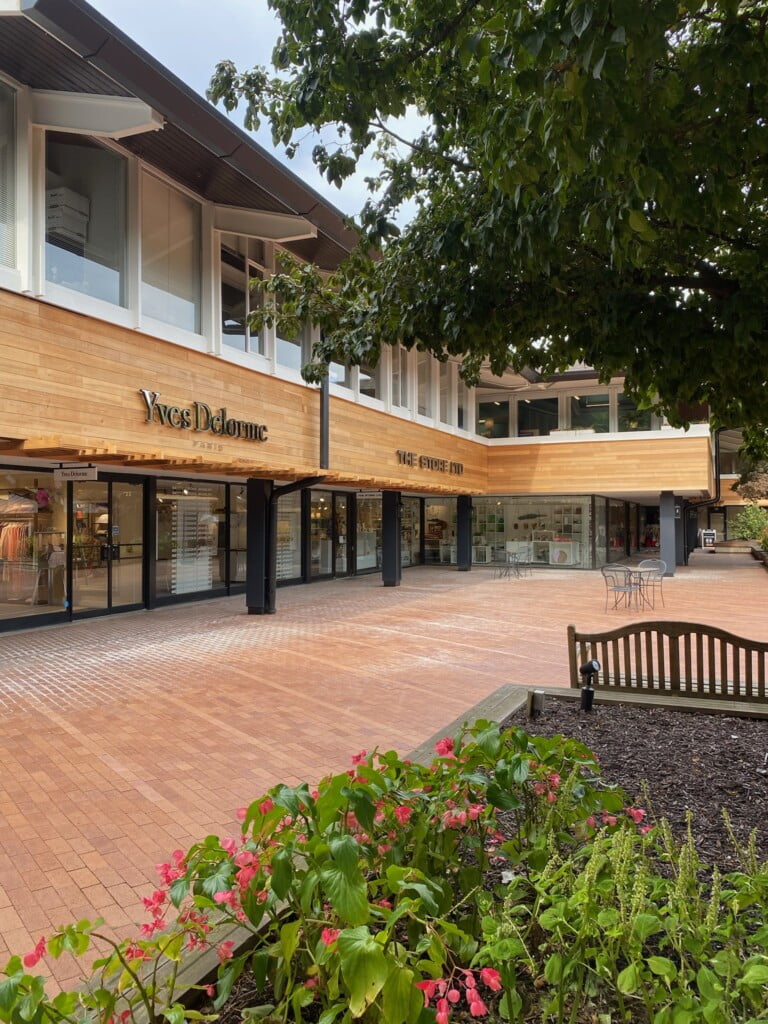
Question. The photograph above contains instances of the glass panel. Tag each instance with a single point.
(368, 532)
(400, 377)
(90, 547)
(632, 418)
(445, 392)
(238, 537)
(536, 417)
(255, 301)
(7, 176)
(462, 407)
(33, 536)
(545, 531)
(589, 412)
(289, 536)
(410, 532)
(340, 514)
(127, 543)
(170, 255)
(293, 352)
(190, 536)
(338, 374)
(616, 531)
(493, 419)
(440, 532)
(369, 381)
(85, 236)
(234, 301)
(321, 533)
(424, 381)
(601, 531)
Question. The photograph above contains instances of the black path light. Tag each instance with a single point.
(588, 672)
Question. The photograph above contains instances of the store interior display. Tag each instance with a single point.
(32, 545)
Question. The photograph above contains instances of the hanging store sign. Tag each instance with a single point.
(428, 462)
(200, 417)
(60, 476)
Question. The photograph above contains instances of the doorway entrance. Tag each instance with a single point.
(107, 546)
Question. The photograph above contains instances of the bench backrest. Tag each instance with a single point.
(673, 657)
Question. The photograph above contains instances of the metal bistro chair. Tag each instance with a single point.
(510, 568)
(619, 585)
(652, 578)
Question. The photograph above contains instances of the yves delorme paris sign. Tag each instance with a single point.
(200, 416)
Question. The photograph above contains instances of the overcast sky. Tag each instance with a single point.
(190, 36)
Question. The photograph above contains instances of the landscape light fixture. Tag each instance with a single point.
(588, 672)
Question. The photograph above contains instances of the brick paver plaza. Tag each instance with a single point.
(124, 738)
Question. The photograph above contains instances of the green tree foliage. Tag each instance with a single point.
(589, 184)
(750, 523)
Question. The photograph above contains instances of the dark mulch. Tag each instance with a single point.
(690, 762)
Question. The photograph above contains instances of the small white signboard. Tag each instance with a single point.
(60, 476)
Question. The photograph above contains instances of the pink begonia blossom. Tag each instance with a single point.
(226, 898)
(539, 788)
(609, 819)
(591, 821)
(474, 811)
(359, 758)
(33, 958)
(469, 979)
(386, 904)
(241, 813)
(554, 780)
(453, 995)
(225, 950)
(478, 1008)
(246, 859)
(403, 814)
(310, 983)
(551, 797)
(491, 977)
(645, 829)
(245, 876)
(210, 991)
(444, 747)
(156, 925)
(637, 814)
(383, 848)
(229, 845)
(266, 806)
(442, 1005)
(428, 988)
(330, 935)
(441, 1018)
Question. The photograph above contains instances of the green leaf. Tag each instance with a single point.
(363, 966)
(709, 985)
(639, 224)
(553, 970)
(282, 873)
(8, 992)
(645, 925)
(755, 975)
(402, 1002)
(343, 882)
(289, 939)
(581, 17)
(663, 967)
(628, 980)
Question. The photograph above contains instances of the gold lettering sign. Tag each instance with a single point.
(200, 417)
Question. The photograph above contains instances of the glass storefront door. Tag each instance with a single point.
(341, 548)
(107, 545)
(321, 534)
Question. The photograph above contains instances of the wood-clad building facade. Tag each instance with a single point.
(155, 447)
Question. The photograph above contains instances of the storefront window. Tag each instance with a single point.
(536, 417)
(445, 392)
(170, 255)
(369, 381)
(289, 536)
(368, 532)
(33, 537)
(400, 377)
(240, 296)
(410, 531)
(590, 412)
(601, 531)
(338, 374)
(85, 234)
(440, 532)
(7, 176)
(540, 531)
(293, 352)
(617, 531)
(462, 406)
(238, 532)
(190, 536)
(493, 419)
(630, 417)
(321, 533)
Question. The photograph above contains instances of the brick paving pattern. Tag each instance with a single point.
(126, 737)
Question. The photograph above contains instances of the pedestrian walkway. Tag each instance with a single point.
(124, 738)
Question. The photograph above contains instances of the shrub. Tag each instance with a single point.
(751, 523)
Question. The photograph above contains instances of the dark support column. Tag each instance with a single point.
(391, 564)
(150, 543)
(667, 531)
(464, 533)
(261, 553)
(680, 555)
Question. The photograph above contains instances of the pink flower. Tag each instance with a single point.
(225, 950)
(428, 988)
(478, 1008)
(453, 995)
(33, 958)
(490, 977)
(591, 821)
(474, 811)
(210, 991)
(554, 780)
(246, 859)
(386, 904)
(645, 829)
(310, 983)
(403, 814)
(539, 788)
(155, 902)
(442, 1005)
(156, 925)
(609, 819)
(636, 814)
(330, 935)
(469, 979)
(266, 806)
(441, 1018)
(229, 845)
(551, 797)
(444, 747)
(359, 758)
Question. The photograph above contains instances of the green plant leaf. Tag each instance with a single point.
(402, 1002)
(363, 966)
(628, 980)
(755, 975)
(289, 939)
(343, 882)
(662, 966)
(282, 873)
(645, 925)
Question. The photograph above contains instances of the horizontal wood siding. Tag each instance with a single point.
(597, 467)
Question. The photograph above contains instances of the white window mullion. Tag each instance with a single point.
(210, 294)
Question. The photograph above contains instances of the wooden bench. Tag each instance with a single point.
(672, 660)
